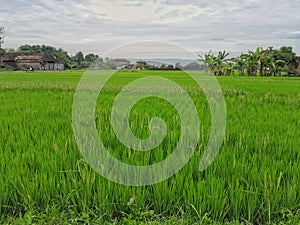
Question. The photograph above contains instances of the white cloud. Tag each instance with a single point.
(149, 12)
(99, 25)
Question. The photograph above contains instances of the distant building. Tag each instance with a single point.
(38, 62)
(122, 63)
(193, 66)
(27, 61)
(294, 67)
(131, 67)
(9, 59)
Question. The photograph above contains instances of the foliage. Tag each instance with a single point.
(2, 36)
(142, 65)
(265, 62)
(216, 63)
(78, 61)
(178, 66)
(44, 49)
(91, 57)
(9, 50)
(211, 61)
(2, 51)
(78, 58)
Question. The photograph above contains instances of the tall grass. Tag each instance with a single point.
(254, 178)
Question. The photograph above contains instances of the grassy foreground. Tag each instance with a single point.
(255, 178)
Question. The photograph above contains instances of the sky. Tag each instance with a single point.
(98, 26)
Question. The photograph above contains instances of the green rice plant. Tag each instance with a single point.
(254, 179)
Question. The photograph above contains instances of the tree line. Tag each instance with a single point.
(79, 60)
(262, 62)
(143, 65)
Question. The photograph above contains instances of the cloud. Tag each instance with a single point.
(149, 12)
(99, 25)
(293, 35)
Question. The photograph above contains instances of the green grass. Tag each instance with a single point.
(255, 178)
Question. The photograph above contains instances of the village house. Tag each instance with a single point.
(132, 66)
(294, 67)
(9, 60)
(38, 62)
(193, 66)
(122, 63)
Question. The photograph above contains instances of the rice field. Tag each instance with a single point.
(254, 179)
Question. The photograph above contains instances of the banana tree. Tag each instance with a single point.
(253, 60)
(210, 61)
(241, 64)
(220, 62)
(228, 70)
(276, 66)
(265, 61)
(272, 63)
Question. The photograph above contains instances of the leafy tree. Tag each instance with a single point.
(253, 61)
(142, 64)
(48, 50)
(91, 57)
(109, 64)
(241, 64)
(178, 66)
(85, 64)
(10, 50)
(25, 49)
(210, 61)
(285, 55)
(2, 52)
(32, 49)
(170, 67)
(79, 58)
(228, 69)
(72, 65)
(163, 66)
(2, 36)
(36, 49)
(273, 61)
(62, 54)
(268, 62)
(220, 62)
(44, 49)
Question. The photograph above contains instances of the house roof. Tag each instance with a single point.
(17, 57)
(122, 62)
(10, 57)
(50, 58)
(29, 57)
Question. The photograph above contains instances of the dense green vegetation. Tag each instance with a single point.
(44, 179)
(263, 62)
(77, 61)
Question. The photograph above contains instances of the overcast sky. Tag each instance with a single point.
(199, 25)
